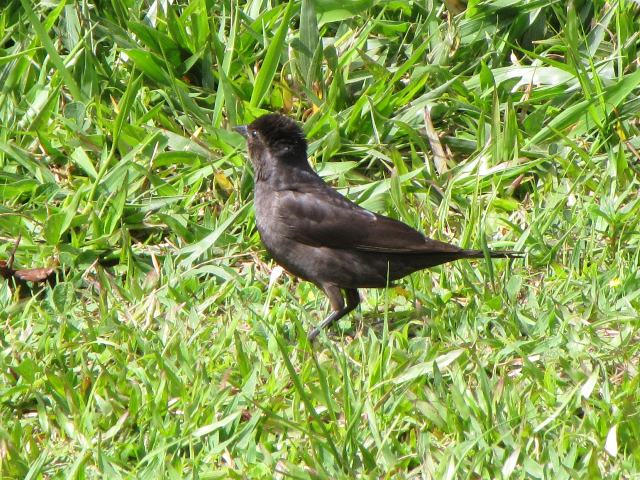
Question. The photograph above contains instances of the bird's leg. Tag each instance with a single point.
(353, 299)
(337, 305)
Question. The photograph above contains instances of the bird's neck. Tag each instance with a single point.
(285, 179)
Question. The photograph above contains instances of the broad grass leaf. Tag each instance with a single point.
(63, 297)
(272, 59)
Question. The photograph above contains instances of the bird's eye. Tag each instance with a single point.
(254, 133)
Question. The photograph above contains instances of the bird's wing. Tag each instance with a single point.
(319, 216)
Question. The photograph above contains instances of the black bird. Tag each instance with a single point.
(317, 234)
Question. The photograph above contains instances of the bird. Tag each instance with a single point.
(319, 235)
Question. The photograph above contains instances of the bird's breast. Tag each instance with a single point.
(267, 217)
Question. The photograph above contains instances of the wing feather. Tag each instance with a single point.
(325, 218)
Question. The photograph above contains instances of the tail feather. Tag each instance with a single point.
(494, 254)
(426, 260)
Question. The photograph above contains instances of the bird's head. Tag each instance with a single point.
(273, 140)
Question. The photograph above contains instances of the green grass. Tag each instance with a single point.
(170, 347)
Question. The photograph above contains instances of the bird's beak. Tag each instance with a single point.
(242, 130)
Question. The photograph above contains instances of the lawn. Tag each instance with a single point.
(159, 339)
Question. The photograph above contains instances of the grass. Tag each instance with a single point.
(170, 347)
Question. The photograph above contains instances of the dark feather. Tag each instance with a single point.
(329, 220)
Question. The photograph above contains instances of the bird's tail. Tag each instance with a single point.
(439, 257)
(494, 254)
